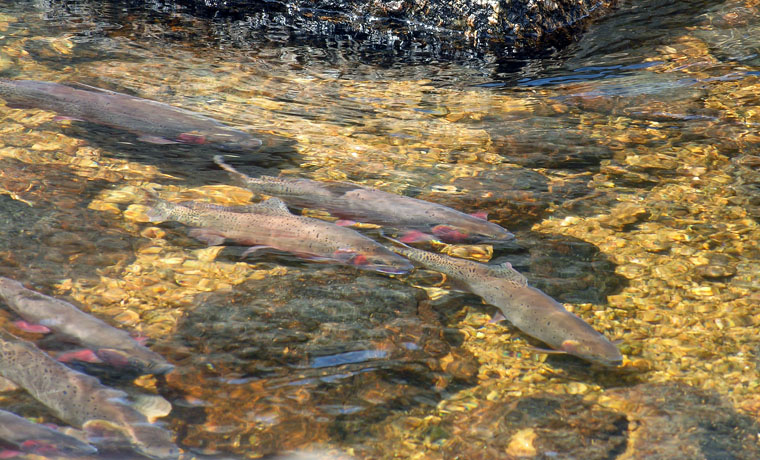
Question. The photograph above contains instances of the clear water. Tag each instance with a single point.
(626, 165)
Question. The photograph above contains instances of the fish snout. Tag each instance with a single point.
(384, 263)
(600, 351)
(395, 265)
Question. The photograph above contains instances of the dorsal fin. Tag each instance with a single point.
(506, 271)
(272, 206)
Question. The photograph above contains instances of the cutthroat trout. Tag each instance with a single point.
(365, 204)
(526, 307)
(79, 399)
(269, 224)
(152, 121)
(39, 439)
(111, 345)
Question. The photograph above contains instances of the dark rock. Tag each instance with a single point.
(386, 31)
(678, 421)
(49, 234)
(513, 197)
(568, 269)
(326, 348)
(652, 421)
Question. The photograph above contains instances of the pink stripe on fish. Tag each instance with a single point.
(87, 356)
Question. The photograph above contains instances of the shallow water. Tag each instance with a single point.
(627, 166)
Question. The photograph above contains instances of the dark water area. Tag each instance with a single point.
(626, 164)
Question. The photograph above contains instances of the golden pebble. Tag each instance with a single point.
(480, 253)
(153, 232)
(208, 254)
(206, 284)
(127, 317)
(521, 444)
(576, 388)
(62, 45)
(173, 260)
(98, 205)
(150, 250)
(136, 213)
(703, 291)
(123, 195)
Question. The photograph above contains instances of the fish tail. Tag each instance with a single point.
(159, 210)
(219, 160)
(402, 248)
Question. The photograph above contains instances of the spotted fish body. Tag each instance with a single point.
(270, 224)
(151, 120)
(112, 345)
(526, 307)
(79, 399)
(364, 204)
(35, 438)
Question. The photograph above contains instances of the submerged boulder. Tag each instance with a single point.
(419, 29)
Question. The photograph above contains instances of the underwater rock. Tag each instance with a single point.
(674, 420)
(419, 31)
(512, 196)
(653, 421)
(311, 354)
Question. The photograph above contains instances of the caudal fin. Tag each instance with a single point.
(219, 160)
(159, 210)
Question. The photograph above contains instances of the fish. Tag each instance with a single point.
(152, 121)
(420, 219)
(109, 344)
(79, 399)
(269, 224)
(39, 439)
(527, 308)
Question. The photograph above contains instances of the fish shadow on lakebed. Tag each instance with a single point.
(192, 164)
(362, 345)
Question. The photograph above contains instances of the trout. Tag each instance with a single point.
(79, 399)
(269, 224)
(151, 121)
(527, 308)
(111, 345)
(39, 439)
(355, 202)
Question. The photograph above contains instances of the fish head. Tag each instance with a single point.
(597, 350)
(232, 141)
(130, 361)
(472, 230)
(375, 259)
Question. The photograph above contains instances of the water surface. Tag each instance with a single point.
(626, 164)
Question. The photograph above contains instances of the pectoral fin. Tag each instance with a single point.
(497, 318)
(210, 237)
(253, 249)
(483, 215)
(415, 236)
(546, 351)
(28, 327)
(87, 356)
